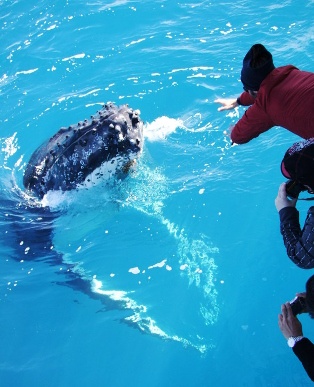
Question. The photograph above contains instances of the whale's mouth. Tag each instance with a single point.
(104, 146)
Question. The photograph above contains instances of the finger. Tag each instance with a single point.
(281, 321)
(288, 307)
(282, 189)
(289, 312)
(284, 311)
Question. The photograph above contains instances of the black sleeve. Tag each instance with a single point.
(239, 100)
(304, 350)
(299, 243)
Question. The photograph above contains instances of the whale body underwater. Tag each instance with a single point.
(84, 154)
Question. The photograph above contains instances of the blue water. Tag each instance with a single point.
(185, 256)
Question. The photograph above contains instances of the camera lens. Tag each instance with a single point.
(293, 189)
(298, 305)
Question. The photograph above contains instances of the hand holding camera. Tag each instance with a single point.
(282, 199)
(288, 323)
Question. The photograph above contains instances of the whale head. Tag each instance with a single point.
(103, 147)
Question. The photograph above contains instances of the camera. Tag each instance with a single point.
(293, 189)
(298, 305)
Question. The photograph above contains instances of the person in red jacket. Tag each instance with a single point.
(291, 328)
(282, 96)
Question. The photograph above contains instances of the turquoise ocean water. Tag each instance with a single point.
(185, 256)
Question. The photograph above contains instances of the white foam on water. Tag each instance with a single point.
(195, 256)
(161, 128)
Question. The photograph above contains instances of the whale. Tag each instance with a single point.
(100, 148)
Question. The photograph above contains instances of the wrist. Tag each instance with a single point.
(292, 340)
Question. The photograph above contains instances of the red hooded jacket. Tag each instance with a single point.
(285, 98)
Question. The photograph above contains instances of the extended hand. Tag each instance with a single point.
(288, 323)
(227, 103)
(282, 200)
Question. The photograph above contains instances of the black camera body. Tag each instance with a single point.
(293, 188)
(298, 305)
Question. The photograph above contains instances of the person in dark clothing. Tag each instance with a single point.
(282, 96)
(298, 166)
(291, 329)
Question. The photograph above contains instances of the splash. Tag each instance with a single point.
(195, 256)
(9, 147)
(161, 128)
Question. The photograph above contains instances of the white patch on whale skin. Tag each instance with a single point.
(107, 171)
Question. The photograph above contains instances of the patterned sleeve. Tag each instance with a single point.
(299, 243)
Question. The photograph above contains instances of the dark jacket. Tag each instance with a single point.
(285, 98)
(299, 243)
(304, 350)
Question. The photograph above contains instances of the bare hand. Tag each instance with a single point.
(227, 103)
(288, 323)
(282, 200)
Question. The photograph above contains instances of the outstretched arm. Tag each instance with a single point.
(245, 99)
(226, 103)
